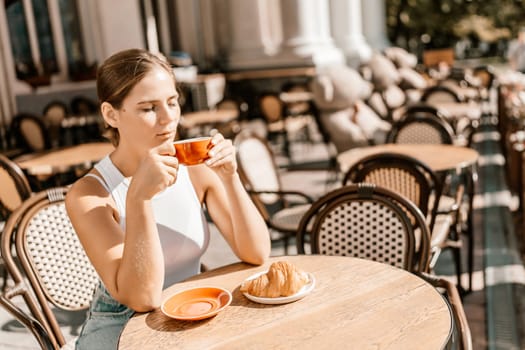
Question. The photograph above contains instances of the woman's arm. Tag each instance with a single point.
(130, 263)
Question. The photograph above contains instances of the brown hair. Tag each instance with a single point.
(119, 74)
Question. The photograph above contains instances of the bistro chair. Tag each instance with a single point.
(52, 267)
(30, 132)
(458, 189)
(239, 107)
(448, 289)
(272, 110)
(302, 108)
(423, 109)
(415, 181)
(281, 123)
(417, 127)
(54, 114)
(366, 221)
(440, 93)
(282, 210)
(15, 189)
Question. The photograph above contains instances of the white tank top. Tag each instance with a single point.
(181, 223)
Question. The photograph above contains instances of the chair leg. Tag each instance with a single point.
(470, 253)
(286, 240)
(455, 244)
(4, 278)
(456, 253)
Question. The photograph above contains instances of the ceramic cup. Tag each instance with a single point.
(193, 151)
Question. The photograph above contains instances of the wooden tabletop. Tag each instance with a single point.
(356, 304)
(437, 157)
(64, 159)
(456, 110)
(272, 73)
(296, 96)
(206, 117)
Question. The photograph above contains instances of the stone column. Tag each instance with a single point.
(116, 18)
(348, 32)
(8, 81)
(306, 32)
(374, 24)
(252, 36)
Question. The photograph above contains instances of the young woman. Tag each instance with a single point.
(138, 213)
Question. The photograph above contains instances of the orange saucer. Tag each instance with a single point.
(196, 303)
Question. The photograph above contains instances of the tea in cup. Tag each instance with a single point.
(193, 151)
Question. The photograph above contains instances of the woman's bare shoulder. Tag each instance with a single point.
(87, 187)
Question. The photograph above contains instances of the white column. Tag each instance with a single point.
(374, 23)
(252, 36)
(306, 32)
(7, 72)
(58, 41)
(115, 19)
(347, 31)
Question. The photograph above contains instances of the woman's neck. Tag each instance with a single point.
(125, 160)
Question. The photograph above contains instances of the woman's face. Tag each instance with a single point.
(150, 113)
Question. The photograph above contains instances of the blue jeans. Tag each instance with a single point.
(105, 321)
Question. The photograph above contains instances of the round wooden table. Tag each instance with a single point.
(65, 159)
(437, 157)
(458, 110)
(208, 118)
(358, 304)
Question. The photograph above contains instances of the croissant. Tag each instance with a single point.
(282, 279)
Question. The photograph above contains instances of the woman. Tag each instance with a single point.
(138, 213)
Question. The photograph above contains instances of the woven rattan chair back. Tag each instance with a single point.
(30, 132)
(271, 107)
(51, 259)
(418, 129)
(403, 175)
(440, 93)
(366, 221)
(258, 170)
(282, 210)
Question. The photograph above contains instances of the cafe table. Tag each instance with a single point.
(355, 304)
(208, 118)
(438, 157)
(296, 96)
(458, 110)
(63, 160)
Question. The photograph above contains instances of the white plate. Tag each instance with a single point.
(307, 288)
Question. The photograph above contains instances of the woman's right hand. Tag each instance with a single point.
(155, 173)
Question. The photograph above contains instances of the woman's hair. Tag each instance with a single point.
(119, 74)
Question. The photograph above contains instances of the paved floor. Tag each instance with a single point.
(314, 183)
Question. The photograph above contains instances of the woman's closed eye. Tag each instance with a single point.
(154, 108)
(173, 103)
(146, 108)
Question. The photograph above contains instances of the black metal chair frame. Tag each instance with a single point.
(312, 221)
(427, 181)
(40, 262)
(284, 197)
(439, 124)
(440, 89)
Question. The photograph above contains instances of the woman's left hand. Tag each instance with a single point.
(222, 155)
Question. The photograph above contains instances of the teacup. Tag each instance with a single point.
(193, 151)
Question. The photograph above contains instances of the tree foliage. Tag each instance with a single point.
(426, 24)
